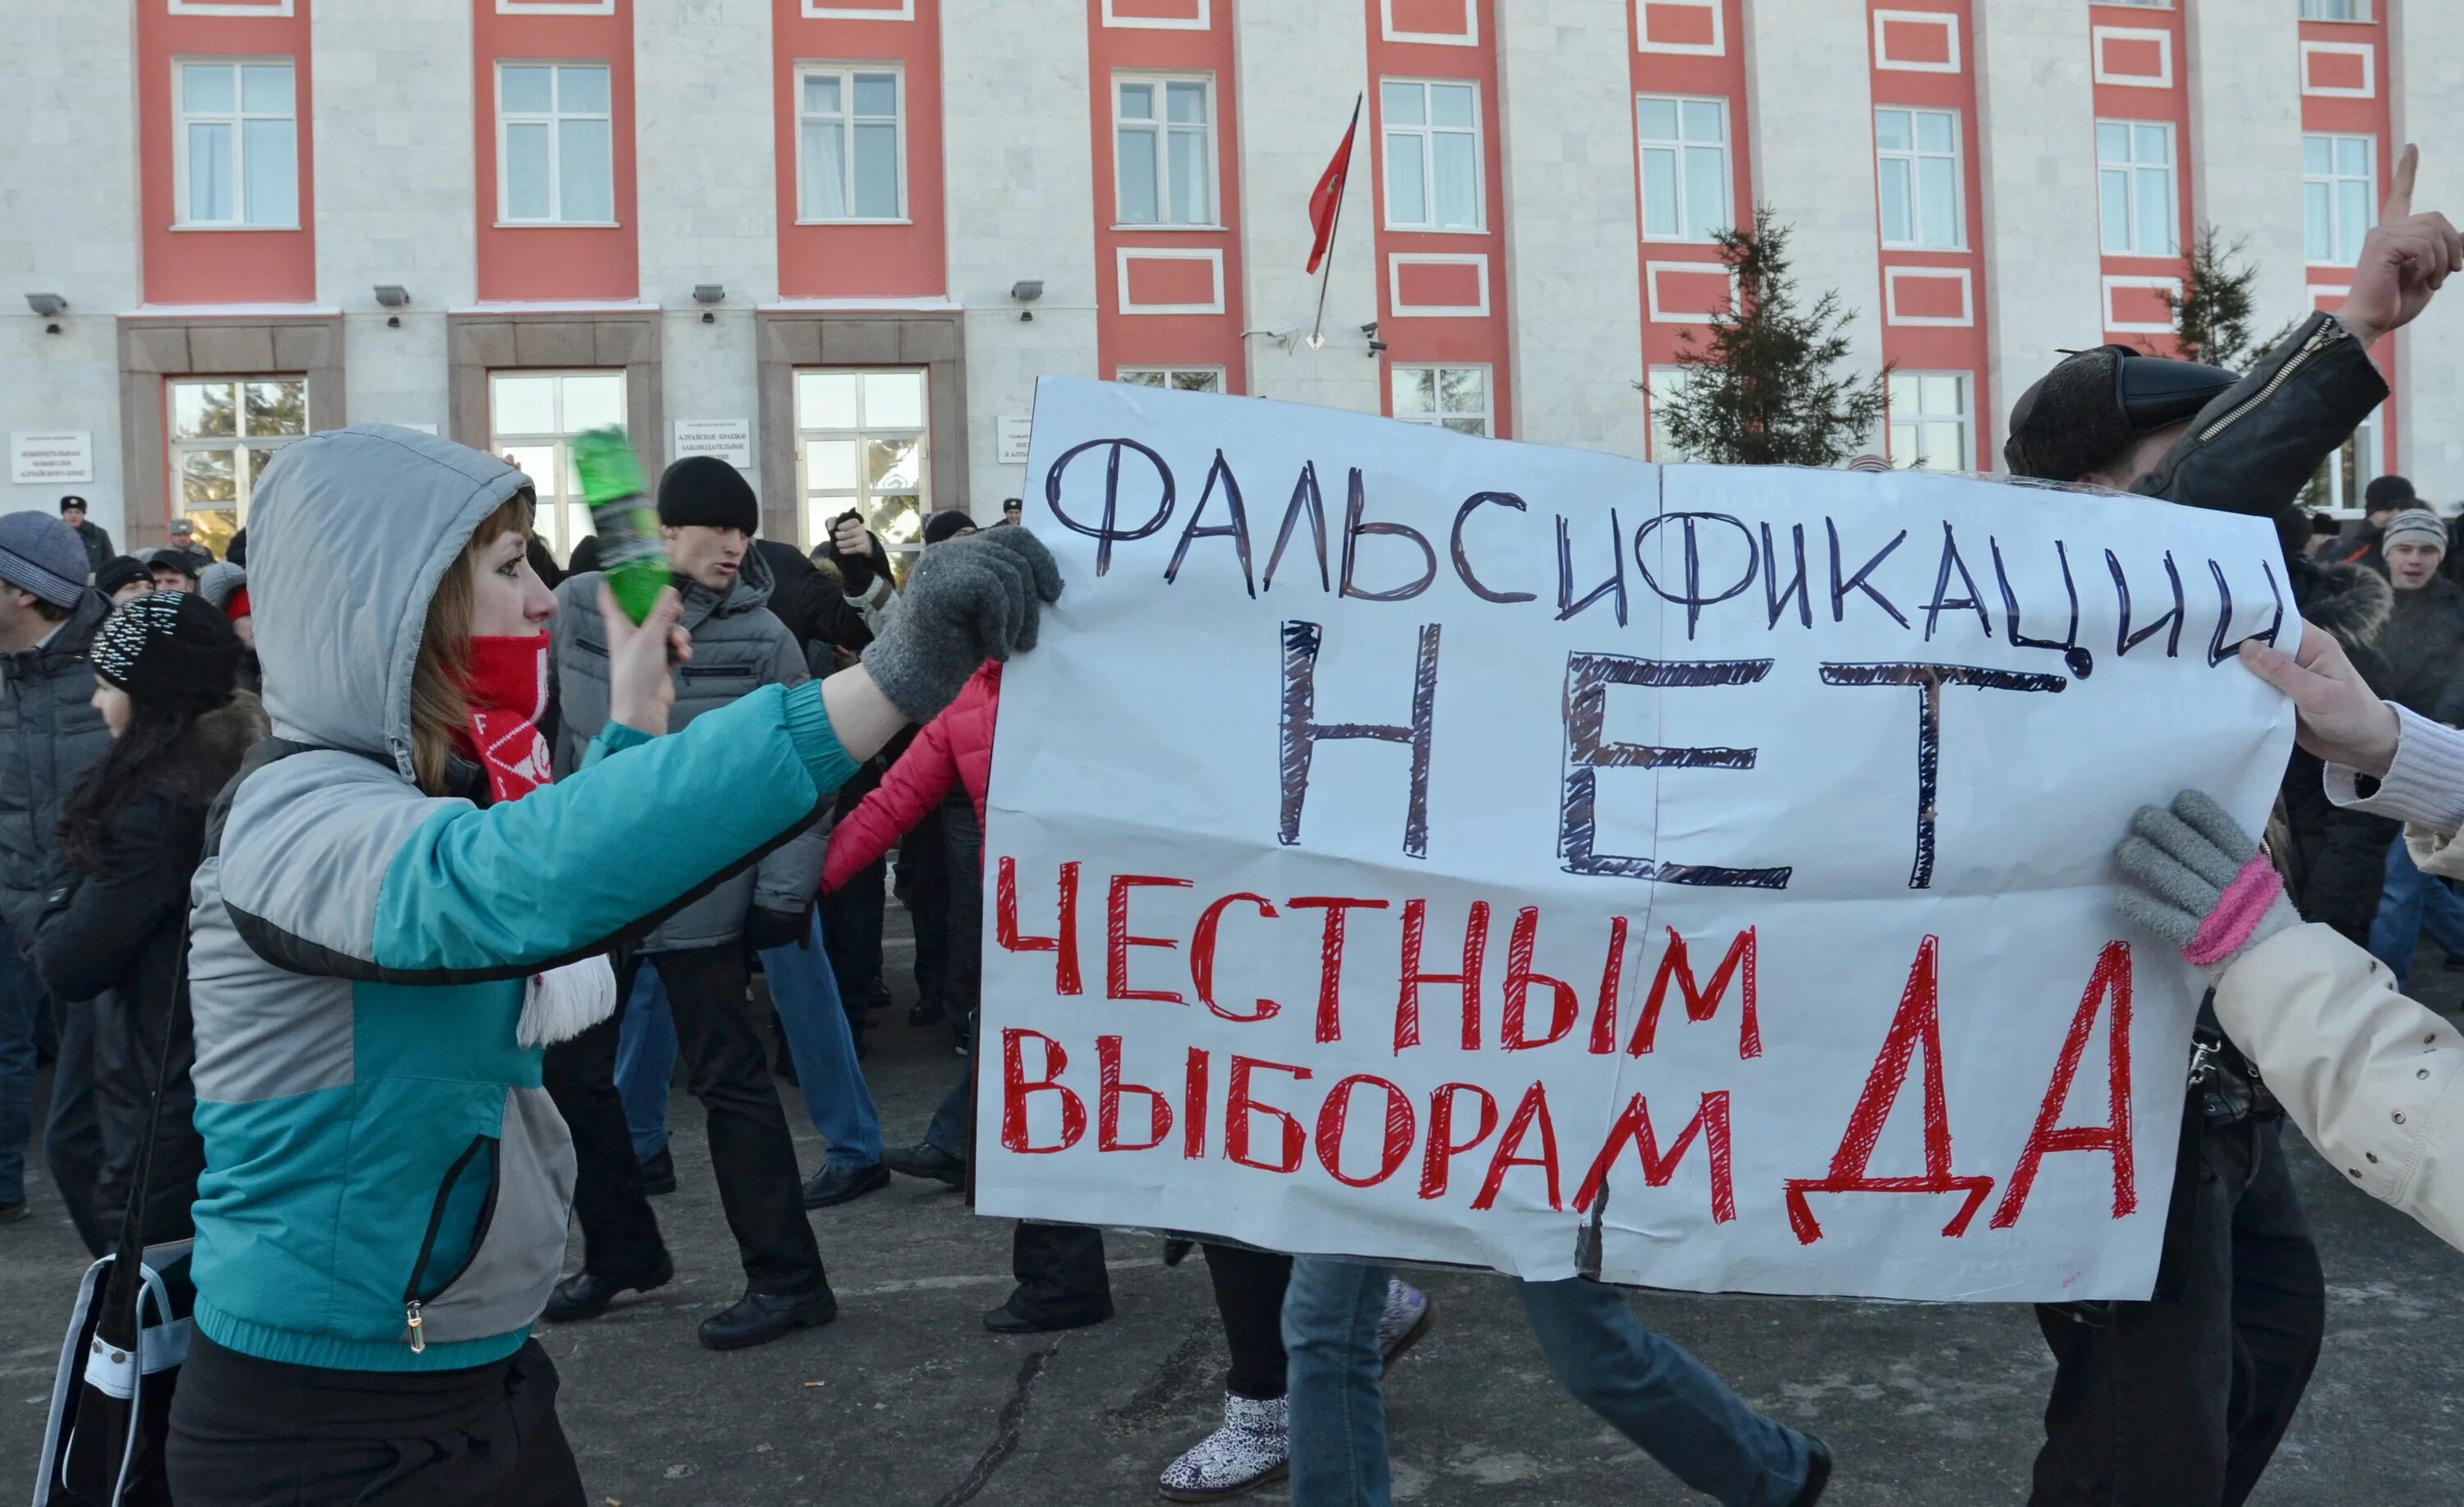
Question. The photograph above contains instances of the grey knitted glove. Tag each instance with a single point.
(2197, 880)
(967, 601)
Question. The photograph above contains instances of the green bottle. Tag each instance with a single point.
(630, 553)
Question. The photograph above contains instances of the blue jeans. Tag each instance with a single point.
(818, 1038)
(2411, 902)
(21, 1014)
(1649, 1388)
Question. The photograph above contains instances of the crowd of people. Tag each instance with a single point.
(416, 890)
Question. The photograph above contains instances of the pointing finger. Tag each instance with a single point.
(2398, 199)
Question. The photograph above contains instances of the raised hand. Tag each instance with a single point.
(2405, 259)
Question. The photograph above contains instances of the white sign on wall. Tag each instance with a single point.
(1409, 845)
(1017, 431)
(60, 455)
(731, 440)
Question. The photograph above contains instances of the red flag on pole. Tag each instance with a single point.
(1326, 205)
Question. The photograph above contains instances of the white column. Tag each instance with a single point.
(1573, 276)
(2243, 70)
(68, 112)
(2043, 266)
(1812, 102)
(1020, 183)
(707, 199)
(2427, 46)
(392, 123)
(1300, 64)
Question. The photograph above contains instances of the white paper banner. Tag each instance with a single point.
(1770, 814)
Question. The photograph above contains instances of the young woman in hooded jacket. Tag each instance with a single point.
(392, 918)
(132, 830)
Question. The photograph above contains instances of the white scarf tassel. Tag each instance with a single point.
(564, 1002)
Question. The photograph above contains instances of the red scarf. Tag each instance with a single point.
(508, 692)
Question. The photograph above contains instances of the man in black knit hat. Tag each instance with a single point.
(706, 516)
(2180, 1401)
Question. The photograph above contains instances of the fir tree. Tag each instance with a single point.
(2212, 314)
(1762, 389)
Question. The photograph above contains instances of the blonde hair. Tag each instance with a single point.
(440, 707)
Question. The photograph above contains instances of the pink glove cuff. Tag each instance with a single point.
(2238, 910)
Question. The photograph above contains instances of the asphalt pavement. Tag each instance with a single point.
(905, 1400)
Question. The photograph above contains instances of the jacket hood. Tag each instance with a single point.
(348, 535)
(749, 591)
(2352, 602)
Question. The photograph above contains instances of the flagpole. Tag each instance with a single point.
(1334, 230)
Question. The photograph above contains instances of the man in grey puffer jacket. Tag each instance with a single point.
(707, 516)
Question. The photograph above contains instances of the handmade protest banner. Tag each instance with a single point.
(1411, 845)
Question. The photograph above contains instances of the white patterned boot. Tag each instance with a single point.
(1408, 1319)
(1251, 1449)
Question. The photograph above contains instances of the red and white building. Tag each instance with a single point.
(838, 240)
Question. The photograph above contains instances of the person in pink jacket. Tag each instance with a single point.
(2369, 1076)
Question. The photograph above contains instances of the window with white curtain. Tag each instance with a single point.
(1917, 163)
(1176, 378)
(1163, 137)
(850, 144)
(2134, 178)
(2338, 184)
(1929, 421)
(555, 163)
(1433, 167)
(2335, 10)
(1685, 159)
(1446, 397)
(531, 419)
(238, 145)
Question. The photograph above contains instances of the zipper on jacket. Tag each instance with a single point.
(2318, 342)
(412, 1297)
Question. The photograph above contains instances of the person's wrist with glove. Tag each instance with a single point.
(968, 599)
(2201, 883)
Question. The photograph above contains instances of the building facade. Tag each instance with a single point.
(838, 240)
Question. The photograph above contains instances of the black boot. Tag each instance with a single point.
(587, 1295)
(927, 1160)
(759, 1318)
(657, 1175)
(1818, 1476)
(835, 1185)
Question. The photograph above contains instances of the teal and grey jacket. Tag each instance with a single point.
(386, 1183)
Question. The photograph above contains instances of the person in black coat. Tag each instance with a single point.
(90, 534)
(133, 831)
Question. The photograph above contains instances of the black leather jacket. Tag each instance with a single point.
(2256, 448)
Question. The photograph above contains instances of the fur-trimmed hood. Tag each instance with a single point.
(2351, 601)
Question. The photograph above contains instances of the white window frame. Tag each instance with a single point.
(269, 8)
(2370, 179)
(238, 119)
(2139, 4)
(1678, 148)
(861, 499)
(2361, 15)
(559, 441)
(237, 443)
(552, 119)
(1964, 420)
(1205, 21)
(816, 11)
(2130, 169)
(1487, 413)
(556, 7)
(1163, 128)
(1914, 155)
(845, 72)
(1387, 130)
(1717, 47)
(1136, 376)
(2367, 444)
(1660, 385)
